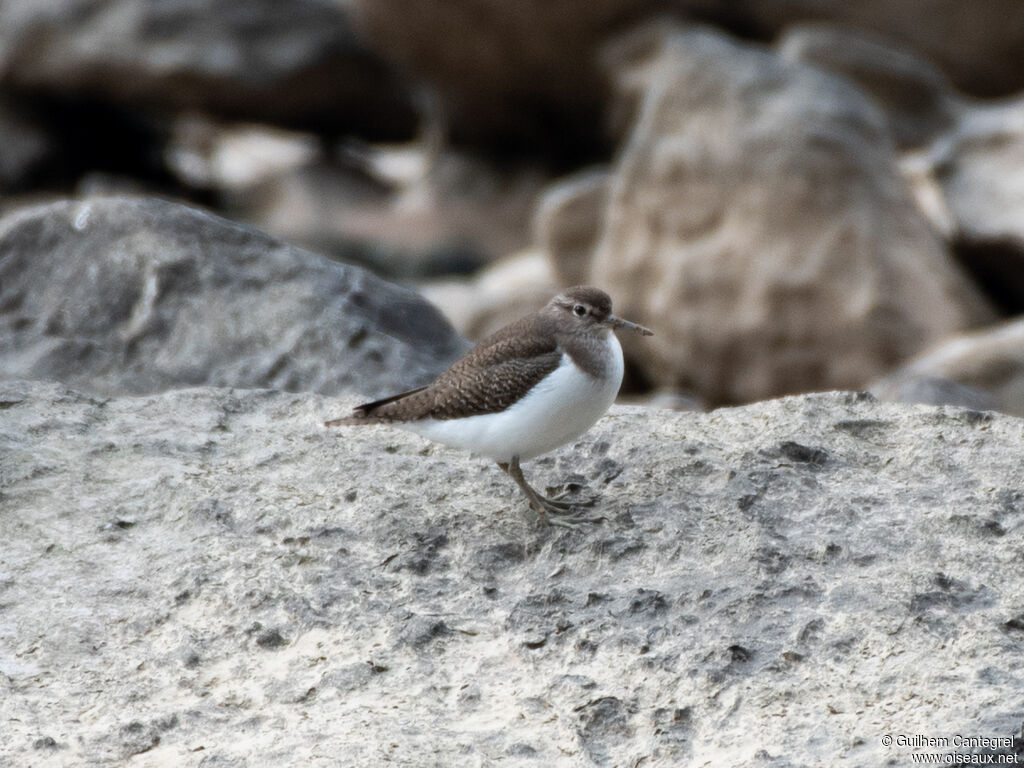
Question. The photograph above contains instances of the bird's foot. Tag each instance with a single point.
(571, 490)
(572, 518)
(559, 511)
(565, 514)
(555, 504)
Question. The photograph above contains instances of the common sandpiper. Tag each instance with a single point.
(523, 391)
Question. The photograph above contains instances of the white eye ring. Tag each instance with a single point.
(579, 310)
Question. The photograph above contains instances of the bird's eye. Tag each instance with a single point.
(579, 310)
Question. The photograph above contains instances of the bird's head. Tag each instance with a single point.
(583, 308)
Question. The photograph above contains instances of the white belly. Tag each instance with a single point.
(563, 406)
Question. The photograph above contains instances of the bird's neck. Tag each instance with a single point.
(595, 354)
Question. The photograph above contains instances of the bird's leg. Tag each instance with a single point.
(550, 511)
(537, 501)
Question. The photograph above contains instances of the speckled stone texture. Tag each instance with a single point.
(208, 577)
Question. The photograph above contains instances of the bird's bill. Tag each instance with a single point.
(618, 322)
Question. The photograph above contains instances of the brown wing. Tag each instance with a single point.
(490, 377)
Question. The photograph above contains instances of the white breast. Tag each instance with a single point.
(560, 408)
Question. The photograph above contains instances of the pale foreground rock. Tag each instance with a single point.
(208, 577)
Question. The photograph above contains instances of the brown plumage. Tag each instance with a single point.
(489, 378)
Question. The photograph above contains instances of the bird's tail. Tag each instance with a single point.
(364, 414)
(345, 421)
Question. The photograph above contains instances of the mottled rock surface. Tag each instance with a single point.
(757, 220)
(209, 577)
(140, 295)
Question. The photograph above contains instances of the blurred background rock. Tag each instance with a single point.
(796, 195)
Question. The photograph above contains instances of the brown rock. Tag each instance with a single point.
(758, 223)
(914, 94)
(978, 45)
(568, 223)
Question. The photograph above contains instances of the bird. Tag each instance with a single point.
(528, 388)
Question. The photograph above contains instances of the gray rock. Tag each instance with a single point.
(295, 64)
(210, 575)
(140, 295)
